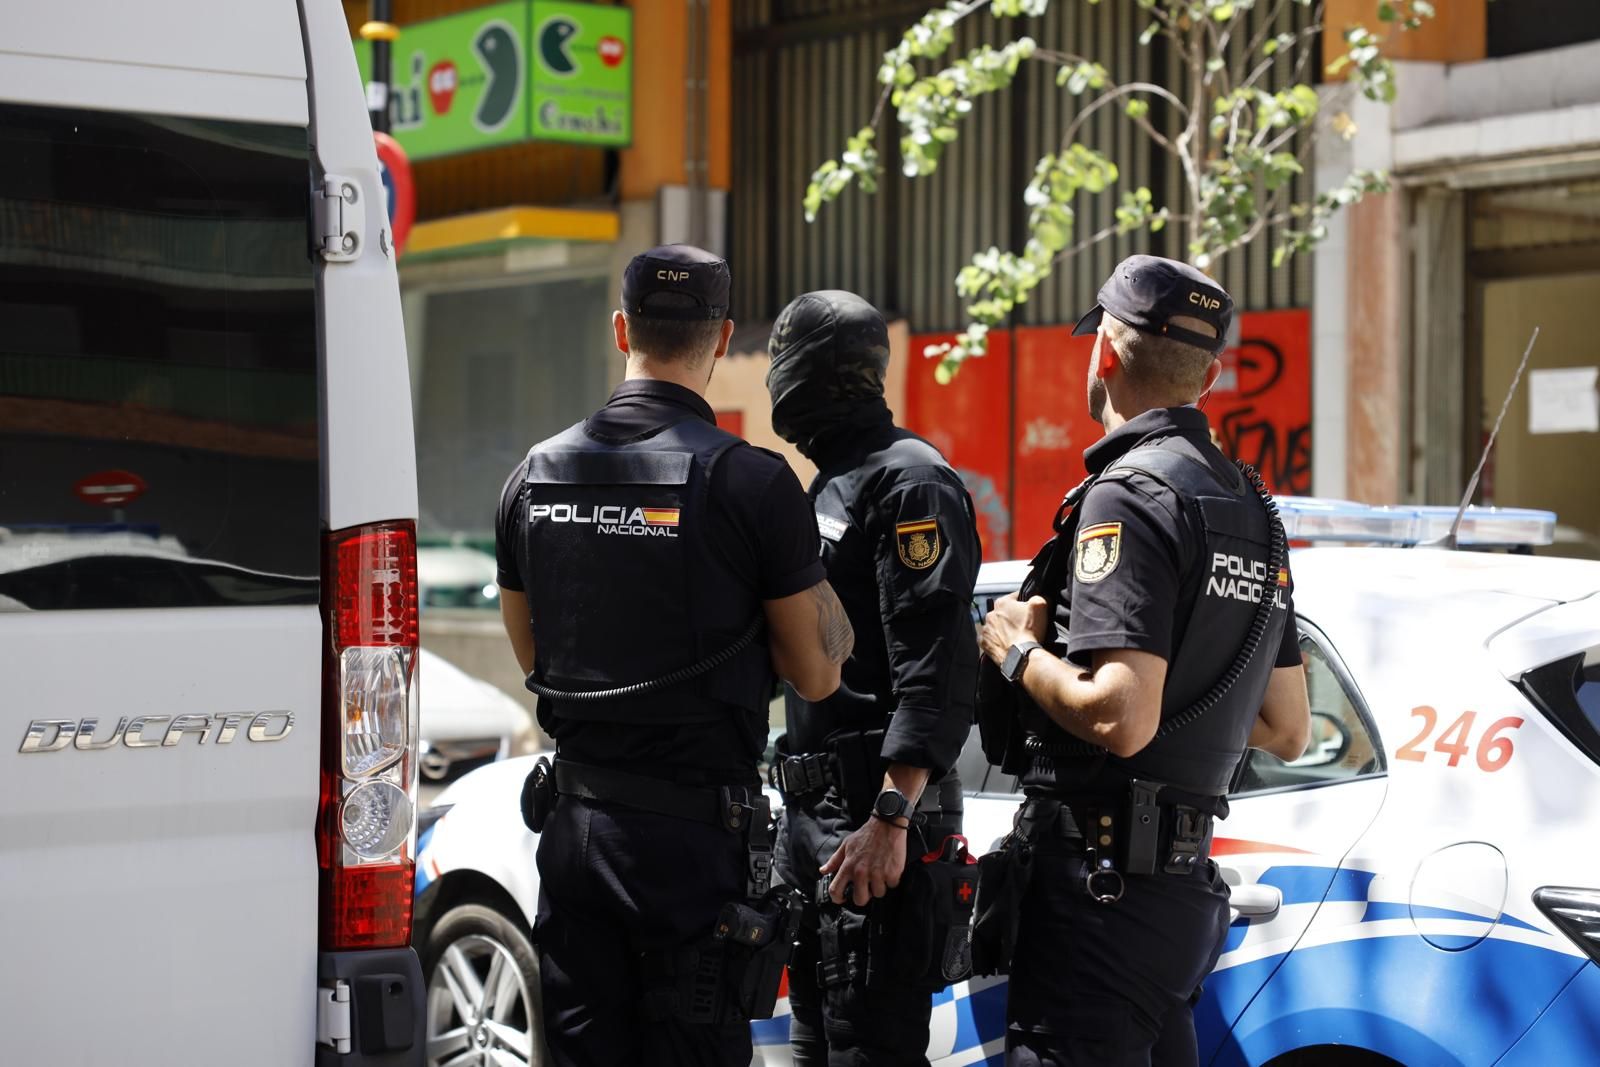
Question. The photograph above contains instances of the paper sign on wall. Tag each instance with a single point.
(1564, 400)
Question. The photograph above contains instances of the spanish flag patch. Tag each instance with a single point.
(918, 543)
(1099, 551)
(661, 516)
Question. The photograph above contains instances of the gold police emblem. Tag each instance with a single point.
(1099, 551)
(918, 543)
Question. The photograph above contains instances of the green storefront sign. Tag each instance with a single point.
(518, 71)
(582, 73)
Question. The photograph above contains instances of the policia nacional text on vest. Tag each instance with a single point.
(669, 653)
(1151, 812)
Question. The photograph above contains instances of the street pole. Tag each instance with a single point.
(381, 32)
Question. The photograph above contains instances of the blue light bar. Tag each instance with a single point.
(1308, 518)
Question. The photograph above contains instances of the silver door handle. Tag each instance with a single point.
(1254, 901)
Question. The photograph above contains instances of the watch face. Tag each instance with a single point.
(890, 803)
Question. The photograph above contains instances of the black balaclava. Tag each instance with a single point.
(830, 350)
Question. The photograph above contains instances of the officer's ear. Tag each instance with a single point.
(1213, 372)
(619, 326)
(724, 340)
(1106, 361)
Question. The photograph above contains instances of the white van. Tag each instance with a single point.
(208, 608)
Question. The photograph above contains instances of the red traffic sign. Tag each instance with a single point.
(111, 489)
(395, 170)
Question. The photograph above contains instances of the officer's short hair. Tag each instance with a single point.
(1151, 360)
(673, 340)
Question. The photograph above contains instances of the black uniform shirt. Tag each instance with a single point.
(901, 546)
(761, 524)
(1145, 596)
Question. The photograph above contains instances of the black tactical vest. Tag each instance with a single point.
(1199, 758)
(624, 583)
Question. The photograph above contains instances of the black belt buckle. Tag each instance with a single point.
(1188, 835)
(1144, 826)
(799, 775)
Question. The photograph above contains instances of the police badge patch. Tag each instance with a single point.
(918, 543)
(1099, 550)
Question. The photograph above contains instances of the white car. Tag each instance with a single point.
(1420, 886)
(208, 601)
(455, 576)
(466, 722)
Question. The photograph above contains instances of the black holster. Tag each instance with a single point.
(916, 937)
(999, 710)
(1003, 877)
(733, 975)
(538, 795)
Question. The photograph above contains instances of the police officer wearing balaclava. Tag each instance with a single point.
(870, 795)
(656, 571)
(1153, 642)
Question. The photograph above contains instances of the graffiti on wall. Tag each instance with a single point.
(1261, 406)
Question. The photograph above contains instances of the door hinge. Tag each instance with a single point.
(333, 1016)
(341, 218)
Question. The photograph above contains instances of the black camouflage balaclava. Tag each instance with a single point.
(830, 351)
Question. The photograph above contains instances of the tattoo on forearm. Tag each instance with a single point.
(833, 625)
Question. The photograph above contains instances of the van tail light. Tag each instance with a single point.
(1576, 913)
(366, 837)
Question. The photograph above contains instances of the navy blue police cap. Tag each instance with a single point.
(1148, 292)
(679, 282)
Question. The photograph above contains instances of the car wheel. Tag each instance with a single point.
(483, 991)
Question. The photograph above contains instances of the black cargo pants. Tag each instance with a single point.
(850, 1024)
(1111, 985)
(616, 882)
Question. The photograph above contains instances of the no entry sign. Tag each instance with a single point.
(111, 489)
(395, 171)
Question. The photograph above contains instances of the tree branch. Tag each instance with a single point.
(1260, 36)
(1120, 91)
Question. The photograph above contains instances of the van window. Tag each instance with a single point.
(158, 363)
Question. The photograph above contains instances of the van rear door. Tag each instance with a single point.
(160, 537)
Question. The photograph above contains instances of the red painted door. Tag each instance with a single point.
(969, 421)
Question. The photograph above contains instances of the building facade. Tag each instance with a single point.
(1426, 297)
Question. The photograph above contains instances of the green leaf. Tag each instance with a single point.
(1214, 64)
(1149, 33)
(1138, 109)
(1222, 12)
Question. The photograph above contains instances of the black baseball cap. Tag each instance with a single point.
(1147, 292)
(679, 282)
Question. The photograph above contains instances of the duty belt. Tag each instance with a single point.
(798, 777)
(1140, 835)
(733, 808)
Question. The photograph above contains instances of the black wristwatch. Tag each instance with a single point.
(1016, 659)
(891, 805)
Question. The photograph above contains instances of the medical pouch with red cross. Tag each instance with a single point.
(933, 947)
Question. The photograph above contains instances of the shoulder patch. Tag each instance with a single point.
(918, 543)
(1099, 551)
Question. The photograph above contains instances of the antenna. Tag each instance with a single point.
(1449, 539)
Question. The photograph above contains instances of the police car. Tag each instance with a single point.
(1419, 886)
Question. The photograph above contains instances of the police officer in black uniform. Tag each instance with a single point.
(868, 773)
(655, 572)
(1154, 641)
